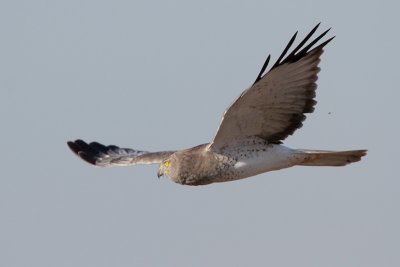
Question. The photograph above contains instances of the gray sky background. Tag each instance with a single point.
(157, 75)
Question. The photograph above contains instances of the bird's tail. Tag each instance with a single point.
(330, 158)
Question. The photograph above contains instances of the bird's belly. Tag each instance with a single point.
(256, 160)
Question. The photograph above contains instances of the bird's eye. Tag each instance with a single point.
(166, 163)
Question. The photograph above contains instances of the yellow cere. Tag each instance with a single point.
(166, 163)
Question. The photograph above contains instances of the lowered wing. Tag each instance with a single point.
(107, 156)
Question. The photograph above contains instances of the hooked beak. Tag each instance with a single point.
(160, 173)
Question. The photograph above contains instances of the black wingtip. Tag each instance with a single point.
(306, 49)
(88, 158)
(327, 41)
(74, 148)
(291, 41)
(298, 52)
(264, 67)
(84, 151)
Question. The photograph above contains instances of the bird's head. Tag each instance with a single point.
(164, 168)
(170, 167)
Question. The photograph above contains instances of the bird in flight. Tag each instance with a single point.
(249, 138)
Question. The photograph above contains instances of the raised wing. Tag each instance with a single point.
(274, 106)
(107, 156)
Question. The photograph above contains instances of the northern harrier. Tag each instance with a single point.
(248, 140)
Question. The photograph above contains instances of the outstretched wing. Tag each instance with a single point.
(107, 156)
(274, 106)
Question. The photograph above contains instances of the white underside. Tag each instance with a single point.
(274, 157)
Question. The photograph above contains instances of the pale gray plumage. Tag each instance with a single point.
(107, 156)
(248, 139)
